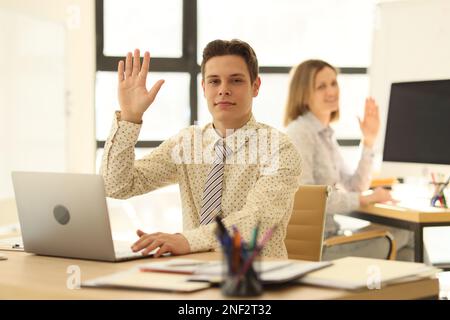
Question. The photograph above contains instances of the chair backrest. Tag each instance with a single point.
(305, 230)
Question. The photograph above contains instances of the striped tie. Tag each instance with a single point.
(212, 194)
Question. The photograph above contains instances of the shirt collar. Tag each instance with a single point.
(211, 136)
(318, 126)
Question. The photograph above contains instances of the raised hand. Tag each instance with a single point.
(370, 125)
(134, 99)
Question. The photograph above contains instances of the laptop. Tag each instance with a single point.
(66, 215)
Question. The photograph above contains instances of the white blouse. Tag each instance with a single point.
(323, 164)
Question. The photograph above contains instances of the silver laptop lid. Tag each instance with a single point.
(63, 214)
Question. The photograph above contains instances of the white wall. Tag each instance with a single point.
(47, 87)
(411, 42)
(32, 95)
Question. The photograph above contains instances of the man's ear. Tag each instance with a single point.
(203, 87)
(256, 86)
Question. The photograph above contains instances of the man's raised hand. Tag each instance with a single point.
(134, 99)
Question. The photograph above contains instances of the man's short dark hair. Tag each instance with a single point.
(231, 47)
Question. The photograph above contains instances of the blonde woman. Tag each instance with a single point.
(312, 105)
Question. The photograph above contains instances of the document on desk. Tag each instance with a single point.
(138, 280)
(355, 273)
(272, 272)
(187, 275)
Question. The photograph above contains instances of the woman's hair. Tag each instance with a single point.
(231, 47)
(301, 87)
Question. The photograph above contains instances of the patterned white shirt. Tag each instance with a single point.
(251, 192)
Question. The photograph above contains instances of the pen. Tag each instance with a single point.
(249, 261)
(236, 248)
(226, 241)
(221, 229)
(255, 237)
(444, 185)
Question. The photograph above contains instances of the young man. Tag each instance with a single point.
(224, 168)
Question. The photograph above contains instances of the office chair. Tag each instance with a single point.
(304, 237)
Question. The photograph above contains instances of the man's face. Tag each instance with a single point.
(228, 90)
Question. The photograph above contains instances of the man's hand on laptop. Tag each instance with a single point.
(173, 243)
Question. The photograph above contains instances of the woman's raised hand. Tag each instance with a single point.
(370, 125)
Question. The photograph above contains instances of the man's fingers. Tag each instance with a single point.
(155, 89)
(145, 66)
(138, 245)
(120, 70)
(139, 233)
(162, 249)
(145, 240)
(141, 244)
(155, 244)
(128, 65)
(136, 63)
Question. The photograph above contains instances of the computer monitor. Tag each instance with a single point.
(417, 139)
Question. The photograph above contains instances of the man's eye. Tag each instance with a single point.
(237, 80)
(213, 81)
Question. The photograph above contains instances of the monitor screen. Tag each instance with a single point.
(418, 123)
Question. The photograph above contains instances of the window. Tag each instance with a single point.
(159, 119)
(283, 33)
(150, 25)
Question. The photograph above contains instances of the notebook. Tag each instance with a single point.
(355, 273)
(272, 272)
(138, 280)
(188, 275)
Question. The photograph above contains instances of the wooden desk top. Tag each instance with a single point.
(430, 215)
(28, 276)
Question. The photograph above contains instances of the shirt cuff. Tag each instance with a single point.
(368, 152)
(124, 132)
(201, 238)
(353, 201)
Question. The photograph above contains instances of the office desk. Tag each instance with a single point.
(28, 276)
(405, 218)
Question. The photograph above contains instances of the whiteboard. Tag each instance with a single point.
(411, 43)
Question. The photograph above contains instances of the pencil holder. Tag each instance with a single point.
(438, 199)
(241, 275)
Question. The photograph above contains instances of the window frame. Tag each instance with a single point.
(187, 63)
